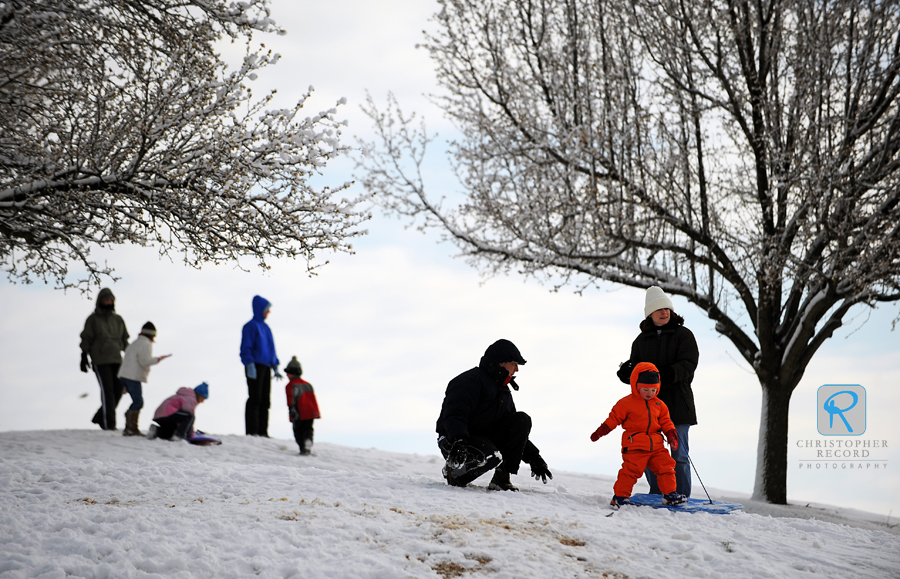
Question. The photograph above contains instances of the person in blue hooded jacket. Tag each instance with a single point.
(259, 360)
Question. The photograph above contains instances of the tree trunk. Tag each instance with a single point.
(771, 457)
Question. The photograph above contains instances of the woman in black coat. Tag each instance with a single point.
(666, 343)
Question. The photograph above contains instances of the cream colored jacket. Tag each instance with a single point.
(138, 359)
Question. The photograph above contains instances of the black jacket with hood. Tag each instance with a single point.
(479, 400)
(673, 350)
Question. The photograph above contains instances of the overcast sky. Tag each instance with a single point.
(381, 332)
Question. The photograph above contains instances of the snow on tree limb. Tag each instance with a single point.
(120, 124)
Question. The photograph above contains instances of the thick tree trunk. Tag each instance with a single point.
(771, 458)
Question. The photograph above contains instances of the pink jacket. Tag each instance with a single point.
(185, 399)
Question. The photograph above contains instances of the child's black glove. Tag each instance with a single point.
(84, 362)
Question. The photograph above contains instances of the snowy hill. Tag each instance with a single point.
(84, 503)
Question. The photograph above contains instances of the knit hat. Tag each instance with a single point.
(202, 389)
(503, 351)
(149, 330)
(294, 367)
(656, 299)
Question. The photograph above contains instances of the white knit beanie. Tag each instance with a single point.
(656, 299)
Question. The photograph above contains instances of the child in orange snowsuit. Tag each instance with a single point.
(644, 418)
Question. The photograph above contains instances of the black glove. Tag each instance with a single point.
(84, 362)
(667, 374)
(539, 470)
(459, 454)
(624, 372)
(293, 414)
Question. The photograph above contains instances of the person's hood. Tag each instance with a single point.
(104, 293)
(260, 304)
(503, 351)
(635, 376)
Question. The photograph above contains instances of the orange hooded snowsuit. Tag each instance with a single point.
(644, 422)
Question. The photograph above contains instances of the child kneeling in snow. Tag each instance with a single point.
(302, 405)
(175, 416)
(644, 418)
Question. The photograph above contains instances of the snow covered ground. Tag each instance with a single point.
(85, 503)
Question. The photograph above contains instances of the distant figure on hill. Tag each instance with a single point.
(135, 369)
(302, 405)
(259, 360)
(479, 428)
(103, 339)
(175, 416)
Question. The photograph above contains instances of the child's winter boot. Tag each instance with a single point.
(617, 501)
(131, 423)
(674, 499)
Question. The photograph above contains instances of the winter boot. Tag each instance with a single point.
(131, 423)
(617, 502)
(306, 449)
(151, 432)
(500, 482)
(674, 499)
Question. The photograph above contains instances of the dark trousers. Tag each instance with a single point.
(110, 394)
(682, 465)
(178, 424)
(256, 412)
(507, 437)
(303, 432)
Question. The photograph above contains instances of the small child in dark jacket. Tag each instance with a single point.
(302, 405)
(645, 418)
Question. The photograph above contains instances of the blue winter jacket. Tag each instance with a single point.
(257, 345)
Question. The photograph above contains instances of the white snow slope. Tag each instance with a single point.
(81, 503)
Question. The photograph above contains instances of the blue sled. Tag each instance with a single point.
(691, 506)
(201, 439)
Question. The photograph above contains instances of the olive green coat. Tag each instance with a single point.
(104, 336)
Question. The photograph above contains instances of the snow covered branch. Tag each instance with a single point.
(122, 125)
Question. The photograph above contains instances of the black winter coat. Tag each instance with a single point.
(671, 346)
(477, 402)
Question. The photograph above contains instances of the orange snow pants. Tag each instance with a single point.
(633, 464)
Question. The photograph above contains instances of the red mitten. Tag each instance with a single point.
(672, 439)
(602, 431)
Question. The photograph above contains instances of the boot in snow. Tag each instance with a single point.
(500, 482)
(674, 499)
(131, 423)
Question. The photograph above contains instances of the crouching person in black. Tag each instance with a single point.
(479, 428)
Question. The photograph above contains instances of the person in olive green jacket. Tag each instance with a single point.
(103, 339)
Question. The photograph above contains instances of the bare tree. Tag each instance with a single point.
(743, 155)
(120, 123)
